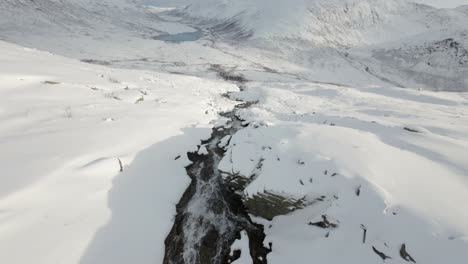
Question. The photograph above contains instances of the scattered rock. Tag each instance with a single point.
(97, 62)
(358, 190)
(235, 255)
(404, 254)
(364, 235)
(411, 130)
(380, 254)
(120, 165)
(51, 82)
(228, 75)
(324, 223)
(321, 198)
(236, 182)
(269, 204)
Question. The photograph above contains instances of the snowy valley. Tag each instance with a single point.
(215, 131)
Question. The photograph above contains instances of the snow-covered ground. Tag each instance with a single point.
(392, 160)
(65, 127)
(352, 115)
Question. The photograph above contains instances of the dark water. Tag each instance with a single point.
(210, 216)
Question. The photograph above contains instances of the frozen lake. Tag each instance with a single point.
(180, 37)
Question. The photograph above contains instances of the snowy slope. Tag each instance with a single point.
(67, 127)
(83, 29)
(391, 162)
(396, 34)
(324, 23)
(356, 121)
(70, 15)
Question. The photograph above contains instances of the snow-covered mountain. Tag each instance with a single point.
(23, 20)
(402, 38)
(342, 23)
(54, 14)
(384, 42)
(82, 28)
(217, 131)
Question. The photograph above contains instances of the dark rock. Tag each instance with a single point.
(411, 130)
(404, 254)
(269, 204)
(324, 223)
(380, 254)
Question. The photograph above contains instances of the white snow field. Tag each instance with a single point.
(64, 127)
(359, 109)
(392, 160)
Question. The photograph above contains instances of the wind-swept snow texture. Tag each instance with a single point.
(87, 157)
(386, 167)
(361, 110)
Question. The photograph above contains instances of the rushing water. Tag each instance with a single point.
(210, 216)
